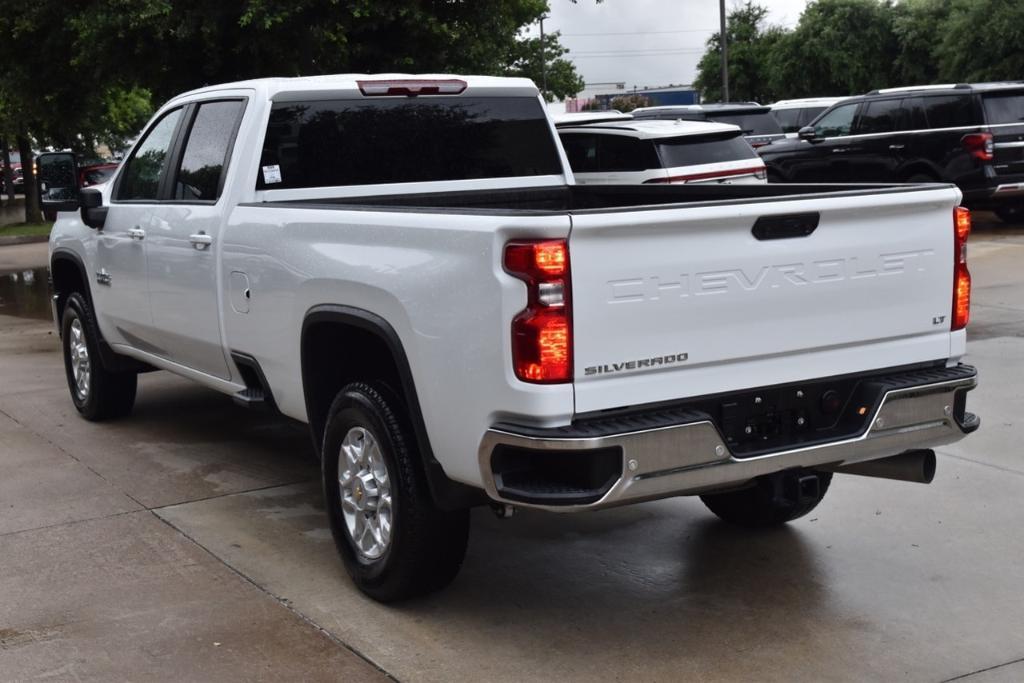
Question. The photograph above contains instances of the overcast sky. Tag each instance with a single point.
(644, 42)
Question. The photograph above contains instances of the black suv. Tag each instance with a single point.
(970, 135)
(756, 121)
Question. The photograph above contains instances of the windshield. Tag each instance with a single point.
(1007, 108)
(750, 124)
(691, 151)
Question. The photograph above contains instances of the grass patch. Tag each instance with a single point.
(23, 229)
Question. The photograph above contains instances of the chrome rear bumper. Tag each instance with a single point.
(691, 457)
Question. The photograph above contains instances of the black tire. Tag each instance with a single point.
(765, 504)
(1010, 213)
(921, 178)
(427, 544)
(773, 176)
(107, 394)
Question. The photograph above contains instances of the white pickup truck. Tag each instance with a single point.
(405, 264)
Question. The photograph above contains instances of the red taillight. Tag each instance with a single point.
(980, 145)
(961, 276)
(412, 87)
(542, 332)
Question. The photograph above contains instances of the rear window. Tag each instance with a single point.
(368, 141)
(606, 152)
(691, 151)
(1008, 108)
(948, 111)
(750, 124)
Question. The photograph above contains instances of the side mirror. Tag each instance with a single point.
(57, 181)
(807, 133)
(94, 214)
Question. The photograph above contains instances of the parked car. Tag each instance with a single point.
(756, 121)
(95, 173)
(18, 178)
(402, 263)
(793, 115)
(659, 152)
(971, 135)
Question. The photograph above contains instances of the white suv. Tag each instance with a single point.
(627, 152)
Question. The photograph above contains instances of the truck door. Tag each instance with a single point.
(119, 283)
(183, 240)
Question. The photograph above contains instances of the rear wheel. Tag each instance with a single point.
(1010, 213)
(394, 541)
(97, 393)
(772, 501)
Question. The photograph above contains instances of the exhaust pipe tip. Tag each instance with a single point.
(916, 466)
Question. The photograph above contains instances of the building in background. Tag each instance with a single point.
(600, 96)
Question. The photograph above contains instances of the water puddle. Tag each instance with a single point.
(25, 294)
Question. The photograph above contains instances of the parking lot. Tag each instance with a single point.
(188, 542)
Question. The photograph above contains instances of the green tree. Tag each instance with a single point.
(839, 47)
(751, 42)
(981, 41)
(916, 25)
(627, 103)
(77, 73)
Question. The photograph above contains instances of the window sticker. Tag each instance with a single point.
(271, 174)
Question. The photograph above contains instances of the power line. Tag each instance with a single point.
(640, 33)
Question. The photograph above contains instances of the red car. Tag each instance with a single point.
(94, 174)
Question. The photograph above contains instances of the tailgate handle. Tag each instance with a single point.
(782, 227)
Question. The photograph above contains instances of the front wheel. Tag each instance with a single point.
(772, 501)
(97, 393)
(394, 541)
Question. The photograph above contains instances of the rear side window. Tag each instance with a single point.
(202, 164)
(948, 111)
(750, 124)
(1008, 108)
(141, 177)
(368, 141)
(581, 151)
(882, 116)
(691, 151)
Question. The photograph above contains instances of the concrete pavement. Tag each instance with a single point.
(188, 542)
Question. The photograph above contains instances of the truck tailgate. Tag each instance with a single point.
(673, 302)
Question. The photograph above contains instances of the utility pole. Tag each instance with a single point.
(544, 59)
(725, 50)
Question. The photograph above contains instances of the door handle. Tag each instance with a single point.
(200, 240)
(896, 148)
(137, 233)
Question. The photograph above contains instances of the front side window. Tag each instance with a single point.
(202, 164)
(836, 122)
(368, 141)
(141, 177)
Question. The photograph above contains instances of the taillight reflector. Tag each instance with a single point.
(961, 276)
(411, 87)
(756, 171)
(980, 145)
(542, 332)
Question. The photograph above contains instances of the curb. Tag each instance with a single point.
(9, 240)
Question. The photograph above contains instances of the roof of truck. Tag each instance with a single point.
(654, 129)
(280, 88)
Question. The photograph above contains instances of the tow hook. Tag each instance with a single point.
(502, 510)
(793, 487)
